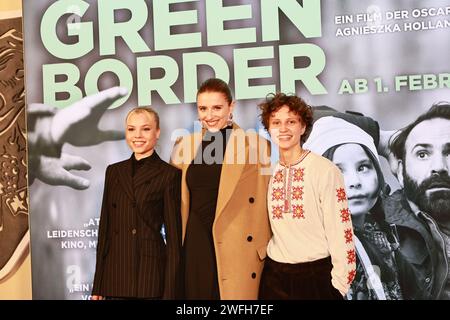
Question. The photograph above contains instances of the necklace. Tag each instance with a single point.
(300, 158)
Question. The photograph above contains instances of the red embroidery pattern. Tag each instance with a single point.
(277, 194)
(277, 212)
(341, 194)
(297, 193)
(351, 256)
(278, 177)
(345, 215)
(351, 276)
(297, 212)
(298, 174)
(348, 236)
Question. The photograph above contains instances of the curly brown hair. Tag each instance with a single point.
(296, 104)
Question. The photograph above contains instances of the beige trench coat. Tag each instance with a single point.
(241, 229)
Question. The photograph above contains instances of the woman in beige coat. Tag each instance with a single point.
(225, 174)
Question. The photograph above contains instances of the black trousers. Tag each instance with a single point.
(302, 281)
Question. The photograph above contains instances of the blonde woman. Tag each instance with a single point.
(141, 195)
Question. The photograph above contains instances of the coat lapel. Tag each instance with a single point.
(185, 154)
(236, 156)
(125, 179)
(151, 170)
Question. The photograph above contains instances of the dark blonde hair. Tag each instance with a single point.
(147, 110)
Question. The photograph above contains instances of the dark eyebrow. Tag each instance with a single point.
(368, 160)
(366, 163)
(423, 145)
(358, 163)
(215, 105)
(447, 147)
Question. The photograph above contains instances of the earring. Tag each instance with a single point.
(230, 120)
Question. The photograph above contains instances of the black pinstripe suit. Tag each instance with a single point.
(132, 259)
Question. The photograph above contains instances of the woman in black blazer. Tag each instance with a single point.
(141, 195)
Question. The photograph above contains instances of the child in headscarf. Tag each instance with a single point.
(378, 266)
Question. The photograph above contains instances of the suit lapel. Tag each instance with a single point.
(125, 179)
(150, 170)
(233, 165)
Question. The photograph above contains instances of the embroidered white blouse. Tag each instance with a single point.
(310, 219)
